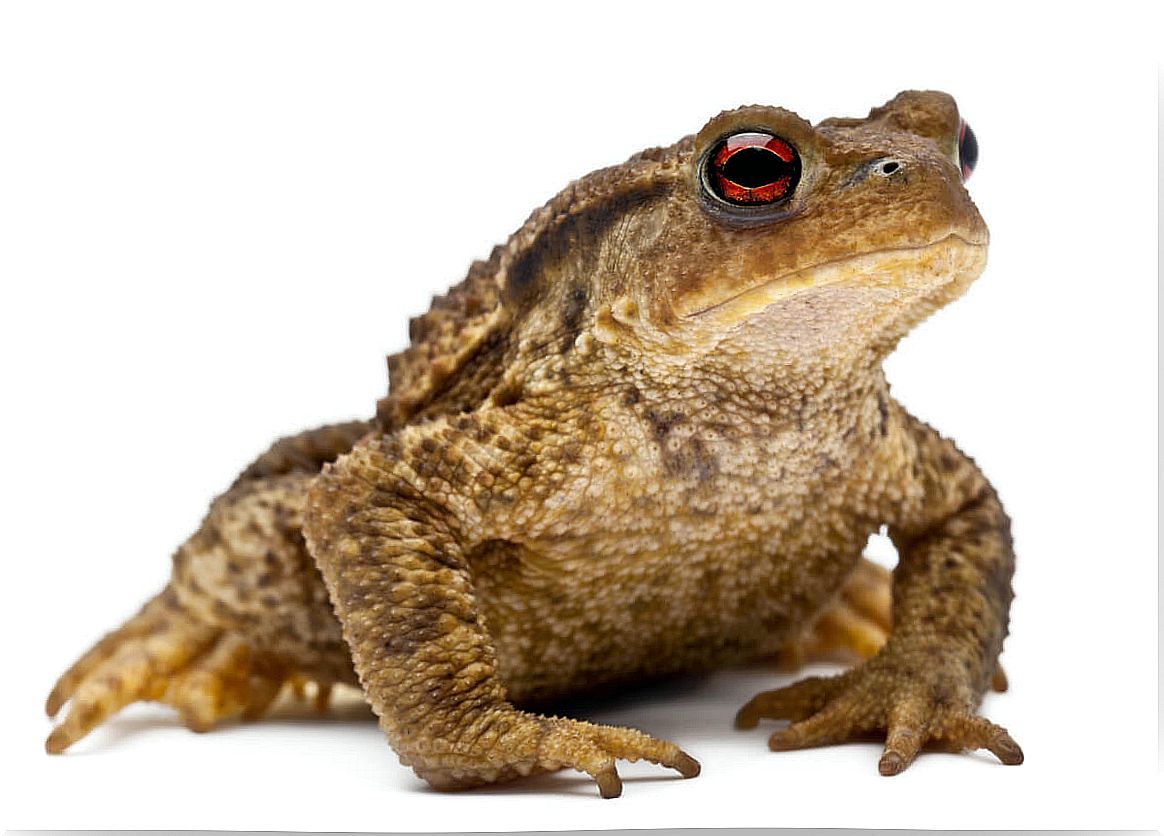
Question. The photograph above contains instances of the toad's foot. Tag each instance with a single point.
(520, 744)
(881, 696)
(855, 625)
(164, 655)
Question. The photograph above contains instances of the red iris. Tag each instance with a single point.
(754, 168)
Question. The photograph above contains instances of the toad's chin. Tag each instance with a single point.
(950, 263)
(863, 302)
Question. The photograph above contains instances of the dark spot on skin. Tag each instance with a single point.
(286, 521)
(232, 567)
(572, 241)
(269, 601)
(998, 586)
(883, 409)
(270, 558)
(416, 328)
(210, 537)
(413, 627)
(575, 306)
(569, 452)
(663, 422)
(498, 558)
(631, 396)
(704, 464)
(507, 395)
(692, 458)
(264, 580)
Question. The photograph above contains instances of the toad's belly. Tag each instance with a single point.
(582, 615)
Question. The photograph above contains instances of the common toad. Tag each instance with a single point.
(649, 435)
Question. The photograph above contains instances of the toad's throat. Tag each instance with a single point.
(902, 269)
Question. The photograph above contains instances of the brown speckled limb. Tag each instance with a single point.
(855, 625)
(951, 596)
(390, 535)
(130, 664)
(244, 613)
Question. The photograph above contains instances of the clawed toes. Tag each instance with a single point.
(797, 701)
(827, 711)
(610, 784)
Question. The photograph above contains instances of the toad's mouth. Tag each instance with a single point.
(952, 260)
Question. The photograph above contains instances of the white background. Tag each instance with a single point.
(216, 218)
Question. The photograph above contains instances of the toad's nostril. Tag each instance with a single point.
(890, 167)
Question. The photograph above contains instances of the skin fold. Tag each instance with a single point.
(649, 435)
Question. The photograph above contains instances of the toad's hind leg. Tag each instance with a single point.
(163, 655)
(244, 614)
(855, 625)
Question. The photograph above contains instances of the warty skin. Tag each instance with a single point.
(649, 435)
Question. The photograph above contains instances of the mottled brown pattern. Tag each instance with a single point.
(647, 436)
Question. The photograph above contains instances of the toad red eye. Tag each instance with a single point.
(753, 169)
(967, 150)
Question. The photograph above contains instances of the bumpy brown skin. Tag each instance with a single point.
(645, 437)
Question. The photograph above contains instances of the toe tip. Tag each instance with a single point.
(780, 742)
(746, 720)
(686, 765)
(609, 784)
(53, 704)
(1009, 752)
(57, 742)
(891, 764)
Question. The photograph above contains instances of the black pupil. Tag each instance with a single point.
(968, 149)
(754, 167)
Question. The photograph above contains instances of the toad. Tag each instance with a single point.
(649, 435)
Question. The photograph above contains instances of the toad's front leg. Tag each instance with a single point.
(390, 525)
(951, 598)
